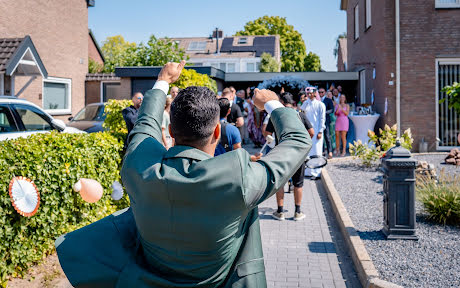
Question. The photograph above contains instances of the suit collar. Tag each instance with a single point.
(187, 152)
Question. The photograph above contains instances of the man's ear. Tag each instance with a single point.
(216, 133)
(170, 131)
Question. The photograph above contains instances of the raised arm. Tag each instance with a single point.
(263, 178)
(151, 112)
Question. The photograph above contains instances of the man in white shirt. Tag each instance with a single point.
(316, 113)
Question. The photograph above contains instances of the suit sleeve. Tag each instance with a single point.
(150, 117)
(263, 178)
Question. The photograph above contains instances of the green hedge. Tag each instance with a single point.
(54, 161)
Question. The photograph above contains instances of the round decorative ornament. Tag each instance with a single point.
(90, 190)
(24, 196)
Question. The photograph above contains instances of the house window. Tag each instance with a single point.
(368, 13)
(223, 66)
(111, 90)
(447, 4)
(250, 67)
(356, 22)
(230, 67)
(448, 120)
(57, 95)
(243, 41)
(197, 46)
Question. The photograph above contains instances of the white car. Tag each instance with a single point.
(20, 118)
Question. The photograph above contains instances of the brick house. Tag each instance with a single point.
(405, 77)
(51, 72)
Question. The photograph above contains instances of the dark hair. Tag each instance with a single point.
(302, 93)
(194, 115)
(287, 98)
(224, 105)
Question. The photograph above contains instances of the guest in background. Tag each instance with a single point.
(329, 111)
(166, 137)
(316, 114)
(174, 92)
(235, 117)
(130, 113)
(335, 96)
(230, 138)
(239, 99)
(302, 98)
(341, 124)
(255, 120)
(333, 118)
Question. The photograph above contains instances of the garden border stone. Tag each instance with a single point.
(367, 273)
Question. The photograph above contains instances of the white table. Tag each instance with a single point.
(362, 124)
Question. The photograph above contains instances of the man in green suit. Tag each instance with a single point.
(193, 220)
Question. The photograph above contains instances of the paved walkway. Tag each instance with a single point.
(307, 253)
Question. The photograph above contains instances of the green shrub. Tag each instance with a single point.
(114, 122)
(441, 199)
(54, 161)
(369, 153)
(190, 77)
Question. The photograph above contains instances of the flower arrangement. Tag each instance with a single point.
(289, 83)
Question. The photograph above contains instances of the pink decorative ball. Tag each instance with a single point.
(90, 190)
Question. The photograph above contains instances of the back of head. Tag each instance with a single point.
(194, 116)
(224, 105)
(227, 94)
(287, 98)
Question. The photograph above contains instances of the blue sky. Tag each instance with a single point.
(319, 21)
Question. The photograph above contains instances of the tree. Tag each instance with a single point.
(94, 67)
(337, 43)
(312, 63)
(117, 53)
(292, 46)
(156, 52)
(269, 63)
(190, 77)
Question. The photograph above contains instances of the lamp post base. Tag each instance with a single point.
(400, 234)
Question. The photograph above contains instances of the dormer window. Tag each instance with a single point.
(243, 41)
(197, 46)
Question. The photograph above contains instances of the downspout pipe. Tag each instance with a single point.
(398, 70)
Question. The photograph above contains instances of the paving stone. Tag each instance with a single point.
(305, 253)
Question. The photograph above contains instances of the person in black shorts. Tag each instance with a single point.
(298, 177)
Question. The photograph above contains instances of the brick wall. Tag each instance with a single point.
(93, 53)
(59, 31)
(426, 33)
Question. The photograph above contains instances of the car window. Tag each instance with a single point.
(91, 113)
(7, 123)
(32, 118)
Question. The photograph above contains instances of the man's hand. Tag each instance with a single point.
(171, 71)
(311, 131)
(255, 158)
(319, 136)
(263, 96)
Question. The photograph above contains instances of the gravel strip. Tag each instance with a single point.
(433, 261)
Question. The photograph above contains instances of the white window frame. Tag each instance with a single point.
(253, 63)
(242, 41)
(443, 4)
(101, 93)
(442, 61)
(368, 14)
(234, 67)
(356, 21)
(66, 81)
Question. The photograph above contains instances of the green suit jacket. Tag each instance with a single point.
(193, 220)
